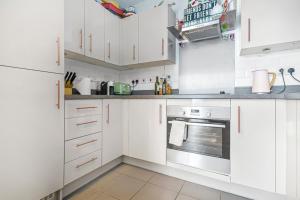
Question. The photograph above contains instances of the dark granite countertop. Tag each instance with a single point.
(287, 96)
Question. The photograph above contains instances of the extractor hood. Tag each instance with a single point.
(207, 30)
(203, 31)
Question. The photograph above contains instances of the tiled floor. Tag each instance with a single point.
(132, 183)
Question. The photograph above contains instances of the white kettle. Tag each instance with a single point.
(261, 81)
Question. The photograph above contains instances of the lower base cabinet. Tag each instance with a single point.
(112, 130)
(147, 130)
(253, 146)
(32, 134)
(82, 166)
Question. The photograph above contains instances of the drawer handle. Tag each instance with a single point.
(91, 122)
(82, 144)
(85, 108)
(93, 159)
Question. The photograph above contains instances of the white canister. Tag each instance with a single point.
(84, 86)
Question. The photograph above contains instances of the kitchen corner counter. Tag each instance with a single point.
(286, 96)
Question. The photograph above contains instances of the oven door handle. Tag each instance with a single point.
(202, 124)
(206, 125)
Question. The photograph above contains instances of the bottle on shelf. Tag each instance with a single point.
(156, 90)
(160, 87)
(164, 86)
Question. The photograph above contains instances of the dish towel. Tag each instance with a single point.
(178, 131)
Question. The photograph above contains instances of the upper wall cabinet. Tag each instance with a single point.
(112, 38)
(129, 40)
(32, 42)
(74, 26)
(94, 30)
(267, 26)
(155, 42)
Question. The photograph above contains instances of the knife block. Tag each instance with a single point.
(68, 91)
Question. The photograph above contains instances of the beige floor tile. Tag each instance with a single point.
(200, 192)
(87, 194)
(103, 182)
(123, 187)
(153, 192)
(183, 197)
(135, 172)
(167, 182)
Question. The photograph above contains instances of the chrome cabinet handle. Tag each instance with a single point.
(58, 94)
(163, 46)
(160, 114)
(108, 113)
(249, 30)
(93, 159)
(58, 51)
(85, 108)
(81, 38)
(239, 119)
(91, 42)
(91, 122)
(85, 143)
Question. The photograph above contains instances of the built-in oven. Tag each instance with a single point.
(206, 138)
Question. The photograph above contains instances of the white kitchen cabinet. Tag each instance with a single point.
(155, 42)
(112, 38)
(112, 130)
(286, 147)
(74, 26)
(274, 28)
(31, 131)
(253, 143)
(129, 40)
(32, 35)
(94, 29)
(147, 130)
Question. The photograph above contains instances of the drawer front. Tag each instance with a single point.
(80, 147)
(80, 108)
(82, 126)
(82, 166)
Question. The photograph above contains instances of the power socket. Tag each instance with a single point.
(291, 71)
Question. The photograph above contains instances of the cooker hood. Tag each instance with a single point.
(203, 31)
(207, 30)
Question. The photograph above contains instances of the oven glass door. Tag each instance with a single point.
(205, 137)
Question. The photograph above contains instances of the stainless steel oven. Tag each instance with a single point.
(206, 141)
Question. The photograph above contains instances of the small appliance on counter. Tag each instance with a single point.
(122, 89)
(84, 86)
(261, 81)
(110, 88)
(103, 88)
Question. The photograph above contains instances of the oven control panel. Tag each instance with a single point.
(199, 112)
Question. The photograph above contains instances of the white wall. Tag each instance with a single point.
(96, 73)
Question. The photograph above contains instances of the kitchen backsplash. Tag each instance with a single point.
(96, 73)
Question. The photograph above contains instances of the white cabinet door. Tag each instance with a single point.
(129, 40)
(276, 25)
(147, 130)
(74, 26)
(112, 38)
(112, 130)
(153, 34)
(32, 34)
(94, 29)
(32, 134)
(253, 143)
